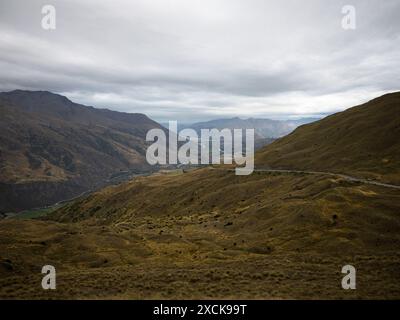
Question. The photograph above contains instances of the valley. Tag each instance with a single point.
(283, 232)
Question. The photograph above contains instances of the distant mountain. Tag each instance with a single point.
(264, 128)
(52, 148)
(363, 140)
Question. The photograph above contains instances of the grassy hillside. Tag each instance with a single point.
(208, 233)
(211, 234)
(361, 141)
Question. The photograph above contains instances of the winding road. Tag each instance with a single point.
(346, 177)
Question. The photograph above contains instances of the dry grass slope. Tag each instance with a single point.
(211, 234)
(361, 141)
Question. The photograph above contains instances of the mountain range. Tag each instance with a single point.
(265, 130)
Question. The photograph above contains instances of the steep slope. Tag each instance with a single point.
(52, 148)
(360, 141)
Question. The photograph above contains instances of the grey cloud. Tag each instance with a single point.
(192, 59)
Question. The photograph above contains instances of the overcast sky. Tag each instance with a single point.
(193, 60)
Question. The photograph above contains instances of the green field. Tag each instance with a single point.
(36, 213)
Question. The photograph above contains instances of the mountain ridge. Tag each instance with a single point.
(361, 140)
(264, 128)
(52, 144)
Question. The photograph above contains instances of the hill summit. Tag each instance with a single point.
(360, 141)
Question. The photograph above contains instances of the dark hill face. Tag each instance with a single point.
(52, 148)
(360, 141)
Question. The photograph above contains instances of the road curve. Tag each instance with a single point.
(346, 177)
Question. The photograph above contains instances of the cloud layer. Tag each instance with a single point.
(194, 60)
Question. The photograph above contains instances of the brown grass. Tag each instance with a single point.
(211, 234)
(362, 141)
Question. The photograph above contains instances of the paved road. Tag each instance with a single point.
(346, 177)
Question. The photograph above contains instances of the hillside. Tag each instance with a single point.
(360, 141)
(211, 234)
(52, 148)
(208, 233)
